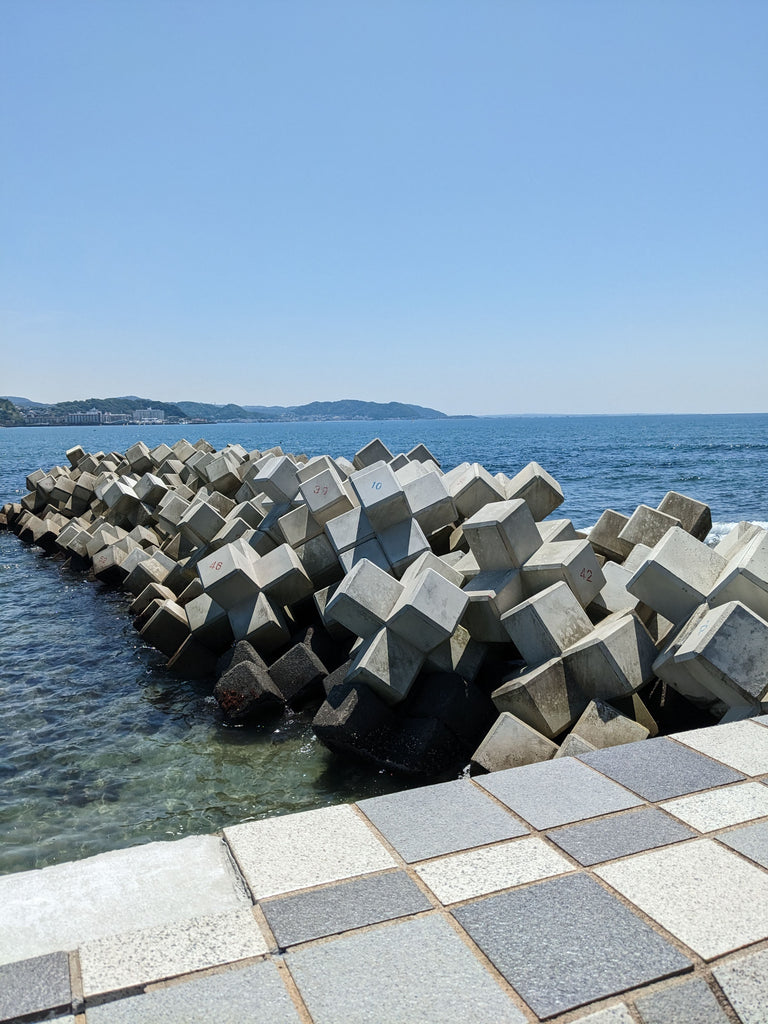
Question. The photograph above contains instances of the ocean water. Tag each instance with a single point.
(101, 747)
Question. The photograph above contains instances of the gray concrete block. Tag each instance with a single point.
(149, 570)
(402, 544)
(678, 675)
(261, 622)
(614, 660)
(603, 726)
(695, 517)
(614, 596)
(573, 746)
(276, 477)
(540, 491)
(490, 595)
(325, 496)
(229, 576)
(320, 561)
(676, 575)
(737, 538)
(745, 578)
(349, 530)
(572, 561)
(543, 626)
(387, 664)
(647, 525)
(380, 495)
(428, 611)
(373, 452)
(502, 535)
(429, 501)
(471, 486)
(429, 560)
(201, 522)
(510, 743)
(543, 697)
(209, 623)
(728, 655)
(364, 599)
(460, 654)
(281, 575)
(167, 629)
(558, 529)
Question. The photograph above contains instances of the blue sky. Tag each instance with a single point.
(487, 206)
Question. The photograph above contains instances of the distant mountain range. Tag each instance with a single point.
(346, 409)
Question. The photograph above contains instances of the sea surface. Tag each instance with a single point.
(101, 747)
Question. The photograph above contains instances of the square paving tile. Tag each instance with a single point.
(567, 942)
(751, 840)
(719, 808)
(297, 851)
(246, 995)
(557, 792)
(745, 983)
(34, 986)
(463, 876)
(687, 1003)
(622, 834)
(428, 822)
(137, 958)
(343, 906)
(613, 1015)
(741, 745)
(709, 898)
(413, 972)
(659, 769)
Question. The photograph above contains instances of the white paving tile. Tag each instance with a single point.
(489, 869)
(297, 851)
(613, 1015)
(60, 907)
(137, 958)
(707, 896)
(741, 745)
(718, 808)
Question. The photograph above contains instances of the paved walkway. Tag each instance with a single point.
(628, 885)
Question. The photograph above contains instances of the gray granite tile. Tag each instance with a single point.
(591, 842)
(248, 995)
(659, 769)
(434, 820)
(34, 986)
(413, 972)
(613, 1015)
(690, 1001)
(745, 983)
(708, 897)
(751, 840)
(567, 942)
(557, 792)
(740, 745)
(341, 907)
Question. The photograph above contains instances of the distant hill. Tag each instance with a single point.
(346, 409)
(118, 405)
(219, 413)
(23, 403)
(9, 414)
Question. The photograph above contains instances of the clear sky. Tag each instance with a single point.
(485, 206)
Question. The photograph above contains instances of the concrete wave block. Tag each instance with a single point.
(546, 624)
(402, 544)
(647, 525)
(471, 486)
(603, 726)
(428, 611)
(745, 577)
(614, 660)
(604, 536)
(459, 653)
(281, 575)
(209, 623)
(324, 495)
(259, 621)
(380, 495)
(737, 539)
(678, 675)
(676, 575)
(541, 492)
(364, 599)
(695, 517)
(167, 629)
(511, 743)
(429, 560)
(374, 451)
(429, 501)
(349, 530)
(502, 535)
(543, 697)
(572, 561)
(490, 595)
(387, 664)
(229, 575)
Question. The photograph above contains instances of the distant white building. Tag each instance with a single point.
(92, 416)
(149, 415)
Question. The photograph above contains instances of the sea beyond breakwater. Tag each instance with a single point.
(101, 747)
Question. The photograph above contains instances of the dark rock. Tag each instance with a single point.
(192, 660)
(337, 677)
(298, 675)
(331, 651)
(463, 708)
(354, 721)
(246, 691)
(424, 746)
(241, 651)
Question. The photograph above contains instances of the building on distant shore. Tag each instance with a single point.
(92, 416)
(149, 415)
(115, 417)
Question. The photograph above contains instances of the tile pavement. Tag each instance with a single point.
(626, 886)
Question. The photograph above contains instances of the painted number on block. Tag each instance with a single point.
(376, 485)
(586, 574)
(215, 565)
(320, 490)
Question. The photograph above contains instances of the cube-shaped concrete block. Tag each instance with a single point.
(429, 560)
(574, 746)
(490, 595)
(679, 675)
(695, 517)
(167, 629)
(636, 557)
(728, 654)
(603, 726)
(647, 525)
(543, 697)
(604, 536)
(420, 453)
(369, 551)
(282, 576)
(614, 660)
(737, 538)
(374, 451)
(380, 495)
(320, 561)
(502, 535)
(277, 479)
(261, 622)
(459, 653)
(511, 743)
(402, 544)
(430, 503)
(557, 529)
(201, 522)
(745, 578)
(209, 623)
(542, 493)
(139, 458)
(314, 466)
(546, 624)
(428, 611)
(325, 496)
(349, 530)
(150, 570)
(387, 664)
(572, 561)
(364, 599)
(677, 575)
(229, 575)
(614, 597)
(471, 486)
